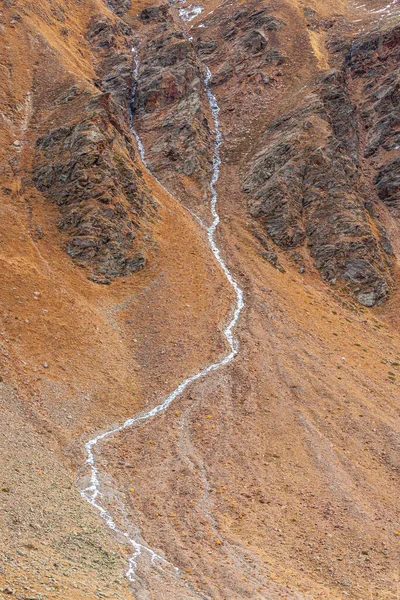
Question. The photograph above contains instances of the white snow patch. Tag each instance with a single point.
(190, 12)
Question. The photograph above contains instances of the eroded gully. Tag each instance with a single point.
(93, 492)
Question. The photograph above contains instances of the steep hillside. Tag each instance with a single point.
(274, 474)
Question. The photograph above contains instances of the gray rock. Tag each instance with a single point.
(255, 42)
(84, 168)
(367, 298)
(305, 187)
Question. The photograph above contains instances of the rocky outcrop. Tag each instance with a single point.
(87, 168)
(244, 44)
(120, 7)
(374, 66)
(112, 41)
(156, 14)
(310, 185)
(171, 110)
(388, 184)
(307, 192)
(87, 163)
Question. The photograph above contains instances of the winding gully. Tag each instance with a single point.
(92, 493)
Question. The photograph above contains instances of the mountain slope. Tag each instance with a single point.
(277, 475)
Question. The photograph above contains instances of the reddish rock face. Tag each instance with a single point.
(170, 89)
(308, 184)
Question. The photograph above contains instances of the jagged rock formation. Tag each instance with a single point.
(86, 162)
(308, 184)
(85, 166)
(244, 45)
(120, 7)
(171, 109)
(373, 63)
(112, 41)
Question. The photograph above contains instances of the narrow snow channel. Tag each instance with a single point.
(93, 493)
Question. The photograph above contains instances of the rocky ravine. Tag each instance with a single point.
(93, 491)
